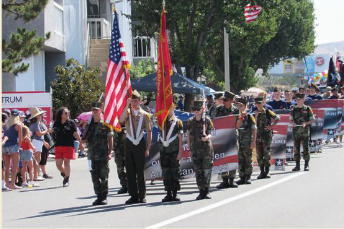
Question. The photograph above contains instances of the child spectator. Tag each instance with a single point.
(26, 156)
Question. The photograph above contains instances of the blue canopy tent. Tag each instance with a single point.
(180, 84)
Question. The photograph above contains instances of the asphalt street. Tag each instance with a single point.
(311, 199)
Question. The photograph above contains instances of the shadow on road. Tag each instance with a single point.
(39, 189)
(89, 209)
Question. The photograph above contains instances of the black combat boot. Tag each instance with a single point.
(200, 196)
(98, 200)
(103, 199)
(206, 194)
(306, 166)
(262, 173)
(297, 167)
(122, 190)
(267, 170)
(223, 184)
(232, 184)
(248, 179)
(168, 197)
(132, 200)
(175, 196)
(241, 181)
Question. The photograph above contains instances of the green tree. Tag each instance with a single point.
(140, 70)
(76, 87)
(143, 68)
(24, 43)
(196, 34)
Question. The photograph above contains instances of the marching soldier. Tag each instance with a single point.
(171, 150)
(99, 138)
(223, 110)
(210, 101)
(264, 136)
(136, 148)
(218, 102)
(120, 160)
(301, 118)
(246, 138)
(199, 141)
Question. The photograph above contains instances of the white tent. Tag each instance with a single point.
(252, 91)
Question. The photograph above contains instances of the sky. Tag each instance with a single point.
(329, 21)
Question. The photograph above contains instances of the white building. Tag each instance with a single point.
(80, 29)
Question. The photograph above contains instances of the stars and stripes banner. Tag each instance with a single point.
(252, 12)
(328, 114)
(118, 86)
(223, 140)
(164, 98)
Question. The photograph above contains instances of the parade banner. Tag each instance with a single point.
(223, 140)
(289, 142)
(340, 117)
(278, 144)
(26, 100)
(331, 116)
(317, 130)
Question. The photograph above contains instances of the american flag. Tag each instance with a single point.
(252, 12)
(118, 86)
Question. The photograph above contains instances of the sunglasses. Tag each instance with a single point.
(195, 109)
(225, 100)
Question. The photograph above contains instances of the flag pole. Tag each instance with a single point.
(227, 60)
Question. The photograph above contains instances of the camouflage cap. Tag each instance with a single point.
(243, 101)
(334, 89)
(218, 95)
(96, 106)
(300, 96)
(136, 95)
(258, 100)
(197, 103)
(228, 95)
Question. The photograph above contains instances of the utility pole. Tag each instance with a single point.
(227, 60)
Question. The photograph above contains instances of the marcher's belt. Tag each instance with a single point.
(138, 134)
(135, 141)
(168, 142)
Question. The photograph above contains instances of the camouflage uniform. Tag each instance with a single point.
(223, 111)
(202, 153)
(300, 134)
(212, 110)
(244, 139)
(120, 160)
(264, 138)
(97, 135)
(168, 158)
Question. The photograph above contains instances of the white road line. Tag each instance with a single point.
(226, 201)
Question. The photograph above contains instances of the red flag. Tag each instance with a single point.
(118, 86)
(252, 12)
(164, 99)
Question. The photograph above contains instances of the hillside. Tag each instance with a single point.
(329, 48)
